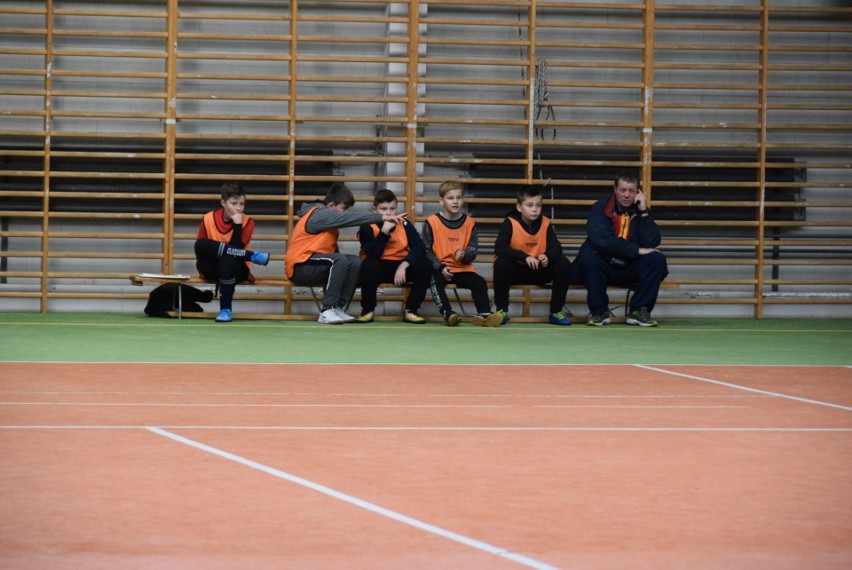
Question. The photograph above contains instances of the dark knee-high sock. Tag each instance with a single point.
(226, 293)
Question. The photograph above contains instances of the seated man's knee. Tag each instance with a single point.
(657, 259)
(589, 262)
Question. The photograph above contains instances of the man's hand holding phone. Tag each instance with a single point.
(641, 201)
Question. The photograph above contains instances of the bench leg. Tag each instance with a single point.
(461, 305)
(179, 295)
(627, 301)
(316, 299)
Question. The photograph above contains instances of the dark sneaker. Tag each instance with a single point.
(560, 318)
(365, 317)
(224, 316)
(260, 258)
(641, 318)
(599, 320)
(452, 319)
(412, 317)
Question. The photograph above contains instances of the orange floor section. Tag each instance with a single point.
(536, 466)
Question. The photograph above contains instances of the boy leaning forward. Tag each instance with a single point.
(313, 258)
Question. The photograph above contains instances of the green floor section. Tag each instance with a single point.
(64, 337)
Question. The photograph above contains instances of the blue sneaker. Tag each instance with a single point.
(224, 316)
(560, 318)
(260, 258)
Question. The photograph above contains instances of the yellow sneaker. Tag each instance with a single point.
(411, 317)
(489, 320)
(452, 319)
(365, 318)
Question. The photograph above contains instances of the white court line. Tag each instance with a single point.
(519, 558)
(178, 405)
(381, 394)
(407, 364)
(439, 428)
(746, 388)
(634, 407)
(359, 406)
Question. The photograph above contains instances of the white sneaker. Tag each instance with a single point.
(346, 318)
(330, 317)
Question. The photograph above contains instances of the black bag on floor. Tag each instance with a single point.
(164, 298)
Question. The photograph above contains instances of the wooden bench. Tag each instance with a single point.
(526, 299)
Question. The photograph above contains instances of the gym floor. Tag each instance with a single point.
(136, 442)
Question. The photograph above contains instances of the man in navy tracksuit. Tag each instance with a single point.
(621, 249)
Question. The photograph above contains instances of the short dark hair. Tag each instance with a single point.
(529, 191)
(339, 194)
(384, 196)
(232, 190)
(629, 176)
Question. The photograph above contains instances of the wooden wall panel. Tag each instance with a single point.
(119, 124)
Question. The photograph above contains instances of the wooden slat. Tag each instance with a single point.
(109, 13)
(108, 34)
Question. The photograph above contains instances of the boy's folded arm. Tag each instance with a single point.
(373, 246)
(503, 242)
(416, 247)
(237, 236)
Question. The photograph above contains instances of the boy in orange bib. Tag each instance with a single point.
(222, 247)
(451, 245)
(313, 258)
(392, 253)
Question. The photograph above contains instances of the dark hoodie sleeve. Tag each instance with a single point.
(416, 247)
(504, 239)
(554, 248)
(242, 232)
(373, 246)
(647, 231)
(237, 235)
